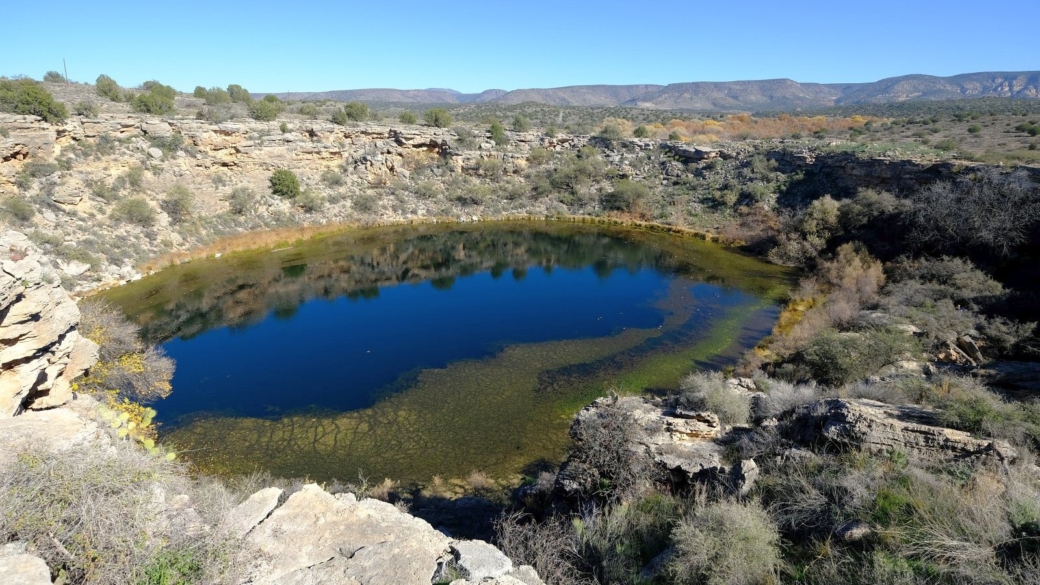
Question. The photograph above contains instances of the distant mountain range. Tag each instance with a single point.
(768, 94)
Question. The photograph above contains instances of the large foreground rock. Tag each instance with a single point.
(24, 569)
(319, 538)
(41, 351)
(881, 428)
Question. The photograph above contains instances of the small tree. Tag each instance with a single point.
(438, 117)
(107, 87)
(216, 96)
(241, 201)
(498, 133)
(285, 184)
(178, 203)
(266, 109)
(239, 94)
(200, 92)
(641, 132)
(626, 196)
(53, 77)
(157, 99)
(407, 118)
(520, 123)
(356, 111)
(27, 97)
(611, 132)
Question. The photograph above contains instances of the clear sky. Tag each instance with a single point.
(308, 45)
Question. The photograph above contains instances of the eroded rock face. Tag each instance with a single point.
(41, 351)
(881, 428)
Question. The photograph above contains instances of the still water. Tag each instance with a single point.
(409, 352)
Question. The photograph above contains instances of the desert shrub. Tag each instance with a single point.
(215, 115)
(200, 92)
(266, 109)
(107, 87)
(135, 210)
(27, 97)
(53, 77)
(627, 195)
(87, 109)
(968, 405)
(178, 203)
(216, 96)
(365, 202)
(611, 132)
(241, 201)
(551, 546)
(331, 178)
(490, 167)
(284, 184)
(438, 117)
(955, 279)
(539, 156)
(780, 396)
(725, 543)
(867, 206)
(18, 209)
(127, 366)
(407, 118)
(355, 111)
(309, 111)
(641, 132)
(310, 201)
(575, 172)
(498, 133)
(156, 99)
(619, 542)
(520, 123)
(991, 211)
(239, 94)
(709, 391)
(602, 461)
(835, 358)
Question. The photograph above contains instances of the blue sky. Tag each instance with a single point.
(470, 46)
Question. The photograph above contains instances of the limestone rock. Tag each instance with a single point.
(154, 152)
(24, 569)
(881, 428)
(54, 430)
(37, 329)
(253, 511)
(478, 560)
(853, 531)
(316, 537)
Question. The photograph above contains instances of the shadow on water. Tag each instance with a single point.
(436, 350)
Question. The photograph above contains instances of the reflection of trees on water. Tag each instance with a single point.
(240, 291)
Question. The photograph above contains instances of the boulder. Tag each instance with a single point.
(24, 569)
(253, 511)
(315, 537)
(478, 560)
(881, 428)
(51, 430)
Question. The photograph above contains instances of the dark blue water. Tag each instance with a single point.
(341, 354)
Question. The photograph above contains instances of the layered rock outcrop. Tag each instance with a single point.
(41, 351)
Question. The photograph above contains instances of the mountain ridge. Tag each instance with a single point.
(718, 95)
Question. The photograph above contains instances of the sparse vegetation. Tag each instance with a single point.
(27, 97)
(135, 210)
(438, 117)
(285, 184)
(155, 99)
(266, 109)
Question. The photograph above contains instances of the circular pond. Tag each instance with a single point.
(408, 352)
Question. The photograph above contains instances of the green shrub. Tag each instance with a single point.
(835, 359)
(285, 184)
(641, 132)
(974, 129)
(241, 201)
(53, 77)
(309, 111)
(266, 109)
(626, 196)
(438, 117)
(539, 156)
(725, 543)
(178, 203)
(675, 137)
(520, 123)
(365, 202)
(27, 97)
(156, 99)
(136, 211)
(407, 118)
(498, 133)
(356, 111)
(216, 96)
(239, 94)
(283, 128)
(200, 92)
(102, 190)
(107, 87)
(18, 209)
(611, 132)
